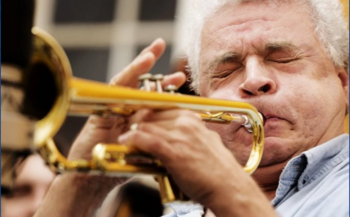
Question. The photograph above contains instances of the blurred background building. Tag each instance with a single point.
(102, 37)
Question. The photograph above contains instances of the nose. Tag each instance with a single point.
(32, 207)
(257, 80)
(35, 201)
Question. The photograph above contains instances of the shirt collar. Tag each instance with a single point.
(311, 164)
(321, 160)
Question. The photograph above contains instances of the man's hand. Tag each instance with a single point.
(198, 162)
(78, 194)
(183, 143)
(107, 129)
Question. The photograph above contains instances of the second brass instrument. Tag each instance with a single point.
(76, 96)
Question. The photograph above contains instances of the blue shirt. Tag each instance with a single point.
(314, 184)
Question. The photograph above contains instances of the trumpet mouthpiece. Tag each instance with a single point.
(262, 117)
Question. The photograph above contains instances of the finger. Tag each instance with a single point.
(158, 127)
(146, 142)
(140, 116)
(106, 123)
(149, 115)
(172, 114)
(128, 76)
(157, 130)
(168, 130)
(157, 48)
(141, 64)
(168, 125)
(177, 79)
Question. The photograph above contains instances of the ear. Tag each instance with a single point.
(344, 78)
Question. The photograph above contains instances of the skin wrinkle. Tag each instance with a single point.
(270, 49)
(244, 22)
(219, 28)
(300, 127)
(241, 43)
(335, 47)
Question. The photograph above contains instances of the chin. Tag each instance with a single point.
(276, 151)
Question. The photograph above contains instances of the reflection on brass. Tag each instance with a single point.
(170, 88)
(83, 97)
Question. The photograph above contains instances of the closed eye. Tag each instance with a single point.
(224, 71)
(282, 61)
(282, 56)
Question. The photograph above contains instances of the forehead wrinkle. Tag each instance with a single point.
(210, 36)
(239, 25)
(241, 22)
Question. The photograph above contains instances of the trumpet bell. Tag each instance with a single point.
(50, 61)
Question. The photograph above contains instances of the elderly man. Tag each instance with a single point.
(287, 58)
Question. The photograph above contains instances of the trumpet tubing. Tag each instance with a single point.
(77, 96)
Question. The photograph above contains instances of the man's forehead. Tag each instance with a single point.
(263, 29)
(243, 12)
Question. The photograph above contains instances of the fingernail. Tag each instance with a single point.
(156, 40)
(123, 138)
(144, 57)
(198, 116)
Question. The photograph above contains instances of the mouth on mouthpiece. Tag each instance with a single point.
(262, 117)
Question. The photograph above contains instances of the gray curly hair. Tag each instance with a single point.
(327, 15)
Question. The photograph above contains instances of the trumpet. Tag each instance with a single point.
(75, 96)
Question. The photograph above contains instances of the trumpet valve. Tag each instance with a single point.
(170, 88)
(158, 79)
(145, 79)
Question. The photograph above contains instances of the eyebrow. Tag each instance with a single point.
(228, 57)
(278, 46)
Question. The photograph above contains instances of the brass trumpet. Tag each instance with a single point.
(74, 96)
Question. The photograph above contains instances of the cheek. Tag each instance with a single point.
(226, 92)
(312, 105)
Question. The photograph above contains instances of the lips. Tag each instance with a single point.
(271, 120)
(270, 110)
(274, 114)
(270, 117)
(274, 125)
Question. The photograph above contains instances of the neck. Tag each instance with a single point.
(268, 178)
(270, 194)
